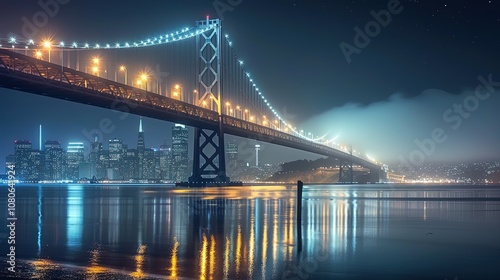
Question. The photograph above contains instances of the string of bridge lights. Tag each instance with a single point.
(256, 88)
(176, 36)
(289, 126)
(167, 38)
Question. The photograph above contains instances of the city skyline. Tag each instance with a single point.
(52, 161)
(154, 139)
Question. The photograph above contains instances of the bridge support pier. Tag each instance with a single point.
(209, 161)
(375, 175)
(346, 174)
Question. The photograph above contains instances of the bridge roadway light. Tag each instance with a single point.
(177, 92)
(195, 97)
(96, 60)
(38, 54)
(95, 71)
(264, 120)
(47, 44)
(238, 108)
(144, 77)
(124, 69)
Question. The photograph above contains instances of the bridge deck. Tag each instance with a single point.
(24, 73)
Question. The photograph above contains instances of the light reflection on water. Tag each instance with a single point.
(384, 231)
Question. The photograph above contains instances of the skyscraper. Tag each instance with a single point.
(231, 151)
(140, 151)
(130, 165)
(35, 168)
(102, 168)
(22, 152)
(40, 138)
(165, 162)
(74, 156)
(94, 158)
(149, 164)
(180, 161)
(116, 153)
(257, 149)
(231, 157)
(140, 138)
(53, 163)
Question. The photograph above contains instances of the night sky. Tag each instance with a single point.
(415, 78)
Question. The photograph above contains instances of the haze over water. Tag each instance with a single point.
(348, 232)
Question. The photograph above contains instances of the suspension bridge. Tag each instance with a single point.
(191, 76)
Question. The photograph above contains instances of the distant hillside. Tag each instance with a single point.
(311, 176)
(324, 170)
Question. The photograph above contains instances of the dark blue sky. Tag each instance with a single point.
(394, 91)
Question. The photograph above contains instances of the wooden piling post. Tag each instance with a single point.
(300, 186)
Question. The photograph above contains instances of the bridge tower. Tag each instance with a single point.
(346, 173)
(209, 162)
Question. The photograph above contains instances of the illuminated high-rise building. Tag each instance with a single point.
(40, 138)
(140, 138)
(231, 157)
(94, 158)
(116, 153)
(180, 160)
(22, 153)
(141, 146)
(130, 165)
(149, 164)
(257, 149)
(231, 150)
(102, 167)
(53, 163)
(74, 155)
(36, 166)
(165, 162)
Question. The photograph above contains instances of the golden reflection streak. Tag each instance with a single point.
(203, 258)
(275, 237)
(41, 266)
(291, 225)
(174, 259)
(341, 215)
(226, 257)
(94, 267)
(237, 192)
(212, 256)
(264, 246)
(139, 262)
(251, 251)
(346, 223)
(238, 249)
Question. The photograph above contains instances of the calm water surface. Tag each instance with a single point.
(348, 232)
